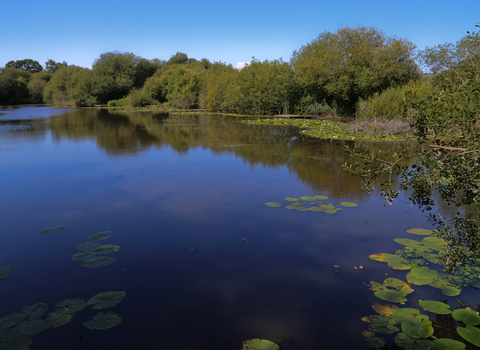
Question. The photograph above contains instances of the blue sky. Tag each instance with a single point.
(227, 31)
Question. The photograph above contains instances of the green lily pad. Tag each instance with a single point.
(385, 310)
(470, 334)
(393, 296)
(107, 249)
(56, 320)
(291, 199)
(31, 327)
(348, 204)
(307, 198)
(297, 204)
(22, 342)
(259, 344)
(100, 235)
(327, 206)
(12, 320)
(88, 246)
(374, 341)
(100, 261)
(379, 320)
(382, 257)
(384, 329)
(84, 256)
(375, 286)
(322, 198)
(8, 334)
(408, 242)
(402, 314)
(52, 229)
(420, 232)
(451, 291)
(273, 204)
(316, 209)
(290, 207)
(106, 300)
(5, 271)
(70, 306)
(103, 321)
(418, 281)
(396, 262)
(301, 209)
(398, 285)
(330, 211)
(405, 342)
(36, 311)
(436, 307)
(469, 317)
(434, 243)
(423, 272)
(433, 258)
(418, 327)
(448, 344)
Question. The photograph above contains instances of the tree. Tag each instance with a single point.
(178, 58)
(353, 63)
(445, 156)
(51, 66)
(27, 64)
(37, 84)
(13, 85)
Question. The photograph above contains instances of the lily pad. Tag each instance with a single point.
(5, 271)
(103, 321)
(418, 327)
(52, 229)
(385, 310)
(418, 281)
(375, 286)
(384, 329)
(330, 211)
(107, 249)
(301, 209)
(396, 262)
(307, 198)
(374, 341)
(327, 206)
(21, 342)
(297, 204)
(408, 242)
(84, 256)
(379, 320)
(98, 236)
(348, 204)
(378, 257)
(56, 320)
(70, 306)
(259, 344)
(31, 327)
(436, 307)
(393, 296)
(36, 311)
(100, 261)
(291, 199)
(405, 342)
(451, 291)
(398, 285)
(402, 314)
(469, 317)
(424, 272)
(88, 246)
(12, 320)
(290, 207)
(106, 300)
(448, 344)
(434, 243)
(316, 209)
(420, 232)
(470, 334)
(273, 204)
(322, 198)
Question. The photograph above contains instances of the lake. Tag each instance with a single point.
(203, 262)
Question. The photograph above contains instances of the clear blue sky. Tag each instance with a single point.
(79, 31)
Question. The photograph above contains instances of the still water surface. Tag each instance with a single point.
(204, 263)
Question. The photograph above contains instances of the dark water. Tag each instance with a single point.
(204, 263)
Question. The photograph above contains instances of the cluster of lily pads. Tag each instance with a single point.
(414, 329)
(16, 329)
(307, 203)
(92, 254)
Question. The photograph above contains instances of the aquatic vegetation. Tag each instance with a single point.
(52, 229)
(70, 306)
(106, 299)
(259, 344)
(417, 330)
(103, 321)
(100, 235)
(273, 204)
(56, 320)
(312, 204)
(5, 271)
(100, 261)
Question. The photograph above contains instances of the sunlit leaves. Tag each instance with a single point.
(420, 232)
(385, 310)
(259, 344)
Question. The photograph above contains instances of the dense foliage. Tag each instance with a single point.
(446, 151)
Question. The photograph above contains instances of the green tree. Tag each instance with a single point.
(353, 63)
(37, 84)
(445, 156)
(14, 85)
(27, 64)
(51, 66)
(178, 58)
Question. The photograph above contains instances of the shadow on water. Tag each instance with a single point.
(204, 263)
